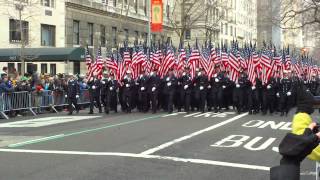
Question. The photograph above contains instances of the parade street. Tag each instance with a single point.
(139, 146)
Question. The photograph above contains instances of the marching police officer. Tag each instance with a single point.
(153, 90)
(314, 85)
(240, 92)
(94, 85)
(112, 87)
(169, 89)
(104, 89)
(128, 88)
(269, 96)
(73, 91)
(201, 83)
(185, 90)
(216, 93)
(143, 91)
(285, 93)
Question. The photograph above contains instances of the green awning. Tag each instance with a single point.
(43, 54)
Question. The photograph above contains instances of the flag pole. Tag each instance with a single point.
(149, 24)
(149, 30)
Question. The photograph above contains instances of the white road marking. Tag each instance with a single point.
(117, 154)
(170, 143)
(189, 115)
(46, 121)
(174, 114)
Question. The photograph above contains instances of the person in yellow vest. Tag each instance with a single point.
(302, 142)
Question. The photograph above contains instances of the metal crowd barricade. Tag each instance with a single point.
(317, 170)
(14, 101)
(84, 97)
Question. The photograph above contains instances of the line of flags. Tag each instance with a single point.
(262, 64)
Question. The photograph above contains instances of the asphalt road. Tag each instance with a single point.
(139, 146)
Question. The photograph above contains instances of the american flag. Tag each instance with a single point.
(127, 57)
(194, 61)
(182, 57)
(122, 68)
(168, 62)
(111, 63)
(234, 64)
(204, 59)
(88, 59)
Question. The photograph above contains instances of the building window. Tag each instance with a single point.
(231, 30)
(226, 29)
(53, 69)
(19, 67)
(114, 36)
(48, 3)
(32, 68)
(76, 37)
(48, 35)
(14, 31)
(90, 34)
(44, 68)
(103, 35)
(126, 35)
(168, 11)
(136, 6)
(136, 37)
(154, 37)
(188, 34)
(76, 68)
(145, 7)
(145, 37)
(114, 3)
(221, 28)
(11, 67)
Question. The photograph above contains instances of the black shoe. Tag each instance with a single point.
(70, 113)
(282, 113)
(90, 112)
(250, 112)
(77, 111)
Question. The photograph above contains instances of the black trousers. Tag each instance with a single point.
(73, 100)
(285, 103)
(185, 99)
(143, 100)
(154, 100)
(127, 101)
(104, 101)
(217, 99)
(169, 100)
(97, 99)
(201, 99)
(112, 102)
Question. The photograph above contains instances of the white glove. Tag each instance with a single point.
(199, 73)
(137, 84)
(278, 94)
(111, 88)
(77, 96)
(253, 87)
(215, 75)
(223, 87)
(209, 87)
(141, 76)
(103, 82)
(65, 96)
(168, 79)
(269, 87)
(289, 93)
(185, 87)
(142, 88)
(127, 85)
(169, 84)
(153, 89)
(93, 87)
(109, 79)
(179, 83)
(183, 74)
(85, 84)
(238, 85)
(201, 88)
(216, 80)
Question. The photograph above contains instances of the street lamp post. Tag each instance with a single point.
(20, 8)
